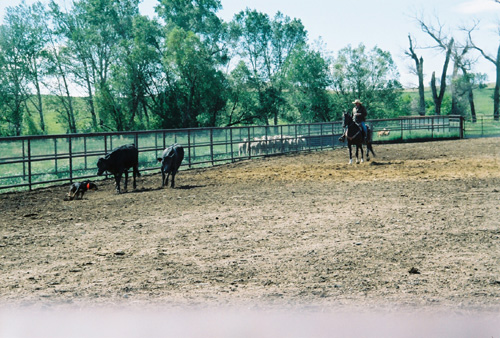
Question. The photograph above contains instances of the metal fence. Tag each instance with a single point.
(27, 162)
(483, 126)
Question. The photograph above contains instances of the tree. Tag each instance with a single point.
(265, 45)
(309, 78)
(13, 74)
(495, 59)
(242, 104)
(194, 53)
(447, 45)
(25, 42)
(134, 72)
(370, 76)
(438, 98)
(71, 27)
(419, 69)
(58, 68)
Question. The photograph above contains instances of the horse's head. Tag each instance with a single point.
(346, 119)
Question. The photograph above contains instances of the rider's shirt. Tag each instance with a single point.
(359, 114)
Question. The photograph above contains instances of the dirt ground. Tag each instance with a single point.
(418, 226)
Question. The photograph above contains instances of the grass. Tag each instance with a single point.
(483, 101)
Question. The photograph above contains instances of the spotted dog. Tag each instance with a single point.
(79, 189)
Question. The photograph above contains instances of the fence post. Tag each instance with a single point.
(308, 134)
(24, 163)
(432, 128)
(282, 147)
(231, 140)
(55, 154)
(212, 145)
(29, 164)
(321, 135)
(249, 144)
(194, 146)
(85, 150)
(70, 151)
(189, 146)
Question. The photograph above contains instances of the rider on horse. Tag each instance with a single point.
(359, 116)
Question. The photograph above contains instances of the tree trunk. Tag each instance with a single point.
(419, 66)
(421, 88)
(438, 99)
(435, 97)
(453, 89)
(496, 94)
(39, 104)
(90, 98)
(472, 106)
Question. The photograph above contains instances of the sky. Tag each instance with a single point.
(384, 24)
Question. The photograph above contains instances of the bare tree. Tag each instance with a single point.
(419, 68)
(446, 44)
(496, 61)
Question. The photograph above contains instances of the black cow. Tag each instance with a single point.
(170, 162)
(119, 161)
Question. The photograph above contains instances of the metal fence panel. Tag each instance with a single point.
(33, 161)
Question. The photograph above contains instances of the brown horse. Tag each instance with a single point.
(354, 136)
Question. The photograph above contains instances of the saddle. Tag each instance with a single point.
(365, 137)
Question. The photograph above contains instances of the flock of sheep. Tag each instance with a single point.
(271, 144)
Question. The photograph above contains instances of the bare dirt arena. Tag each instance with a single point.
(301, 230)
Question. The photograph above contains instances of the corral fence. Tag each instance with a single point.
(27, 162)
(483, 126)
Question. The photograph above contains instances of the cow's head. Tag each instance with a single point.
(101, 166)
(166, 162)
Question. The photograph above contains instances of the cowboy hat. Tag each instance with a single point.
(357, 101)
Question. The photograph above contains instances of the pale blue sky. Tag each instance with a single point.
(385, 24)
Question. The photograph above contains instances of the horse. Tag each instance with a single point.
(354, 136)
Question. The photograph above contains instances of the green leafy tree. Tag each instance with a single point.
(242, 103)
(136, 66)
(13, 75)
(368, 75)
(194, 52)
(71, 30)
(33, 20)
(265, 45)
(23, 46)
(309, 77)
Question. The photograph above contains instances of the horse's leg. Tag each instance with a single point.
(368, 151)
(362, 155)
(350, 152)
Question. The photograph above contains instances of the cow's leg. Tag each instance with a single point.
(173, 180)
(134, 174)
(126, 181)
(137, 173)
(166, 179)
(118, 178)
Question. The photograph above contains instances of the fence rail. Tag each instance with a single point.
(27, 162)
(482, 126)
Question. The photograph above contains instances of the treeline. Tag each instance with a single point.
(186, 68)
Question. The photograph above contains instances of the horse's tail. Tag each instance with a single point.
(370, 148)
